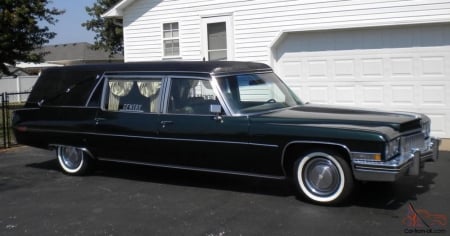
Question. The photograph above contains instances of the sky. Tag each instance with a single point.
(68, 28)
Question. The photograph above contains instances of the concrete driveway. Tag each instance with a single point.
(37, 199)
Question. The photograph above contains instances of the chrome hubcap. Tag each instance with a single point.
(321, 177)
(71, 157)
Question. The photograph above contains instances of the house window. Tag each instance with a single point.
(171, 41)
(217, 38)
(217, 41)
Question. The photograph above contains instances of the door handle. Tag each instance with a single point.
(164, 123)
(97, 120)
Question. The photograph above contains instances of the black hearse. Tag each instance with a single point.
(224, 117)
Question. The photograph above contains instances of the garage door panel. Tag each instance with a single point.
(317, 69)
(433, 66)
(440, 122)
(373, 96)
(435, 95)
(402, 67)
(372, 68)
(318, 94)
(403, 96)
(344, 68)
(399, 68)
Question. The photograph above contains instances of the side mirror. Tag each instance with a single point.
(215, 109)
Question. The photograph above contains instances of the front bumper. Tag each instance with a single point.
(405, 164)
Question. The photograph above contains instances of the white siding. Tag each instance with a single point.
(257, 23)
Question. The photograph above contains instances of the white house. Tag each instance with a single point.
(390, 54)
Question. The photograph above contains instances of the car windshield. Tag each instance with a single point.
(255, 93)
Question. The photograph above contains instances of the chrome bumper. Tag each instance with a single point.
(405, 164)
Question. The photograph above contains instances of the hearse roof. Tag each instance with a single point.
(214, 67)
(72, 85)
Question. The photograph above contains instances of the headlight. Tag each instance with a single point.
(426, 129)
(393, 148)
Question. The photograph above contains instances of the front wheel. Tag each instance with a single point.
(73, 160)
(323, 177)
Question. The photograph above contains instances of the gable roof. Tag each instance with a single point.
(117, 10)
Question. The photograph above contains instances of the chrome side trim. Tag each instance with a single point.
(100, 78)
(283, 153)
(220, 96)
(27, 109)
(155, 138)
(165, 95)
(195, 169)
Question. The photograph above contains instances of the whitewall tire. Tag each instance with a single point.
(73, 160)
(323, 177)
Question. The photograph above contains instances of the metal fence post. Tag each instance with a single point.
(4, 119)
(6, 122)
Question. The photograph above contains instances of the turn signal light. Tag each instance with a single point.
(377, 157)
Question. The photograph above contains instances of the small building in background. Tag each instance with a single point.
(77, 54)
(24, 75)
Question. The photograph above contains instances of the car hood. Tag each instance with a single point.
(342, 116)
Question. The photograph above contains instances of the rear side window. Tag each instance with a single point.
(61, 87)
(133, 94)
(191, 96)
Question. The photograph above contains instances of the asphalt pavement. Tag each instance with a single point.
(36, 198)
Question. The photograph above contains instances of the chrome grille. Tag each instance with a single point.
(415, 141)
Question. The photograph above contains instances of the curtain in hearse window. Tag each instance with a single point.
(133, 95)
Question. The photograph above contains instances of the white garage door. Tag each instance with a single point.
(403, 68)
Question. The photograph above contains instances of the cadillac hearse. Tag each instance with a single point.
(234, 118)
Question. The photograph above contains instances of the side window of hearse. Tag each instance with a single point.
(191, 96)
(133, 95)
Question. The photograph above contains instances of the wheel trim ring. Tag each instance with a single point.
(303, 185)
(63, 160)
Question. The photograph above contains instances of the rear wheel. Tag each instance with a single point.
(323, 177)
(73, 160)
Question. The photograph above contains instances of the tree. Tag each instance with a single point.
(20, 33)
(109, 32)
